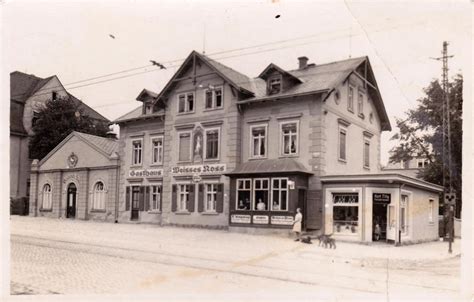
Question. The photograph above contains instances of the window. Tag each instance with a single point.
(244, 188)
(422, 163)
(137, 152)
(186, 102)
(274, 85)
(258, 143)
(342, 144)
(98, 200)
(155, 198)
(279, 194)
(212, 144)
(185, 146)
(431, 211)
(54, 95)
(350, 99)
(404, 164)
(360, 104)
(148, 108)
(157, 150)
(213, 98)
(183, 197)
(260, 188)
(47, 197)
(403, 214)
(211, 198)
(366, 153)
(289, 138)
(345, 213)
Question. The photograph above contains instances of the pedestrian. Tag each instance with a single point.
(297, 224)
(378, 232)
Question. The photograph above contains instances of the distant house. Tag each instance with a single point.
(410, 167)
(28, 93)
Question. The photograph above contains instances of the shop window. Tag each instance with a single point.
(47, 202)
(404, 214)
(157, 150)
(212, 144)
(213, 98)
(279, 194)
(289, 138)
(346, 213)
(350, 99)
(431, 210)
(155, 198)
(137, 152)
(211, 198)
(342, 143)
(244, 189)
(274, 85)
(186, 102)
(183, 197)
(98, 200)
(185, 146)
(258, 143)
(360, 104)
(260, 188)
(366, 153)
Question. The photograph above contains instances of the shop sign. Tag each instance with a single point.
(240, 218)
(198, 169)
(381, 198)
(346, 198)
(260, 219)
(282, 220)
(146, 173)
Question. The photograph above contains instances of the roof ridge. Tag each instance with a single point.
(223, 64)
(333, 62)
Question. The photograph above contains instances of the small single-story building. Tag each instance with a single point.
(404, 208)
(77, 179)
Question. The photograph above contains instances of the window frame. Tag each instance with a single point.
(360, 103)
(186, 102)
(133, 140)
(278, 77)
(190, 146)
(282, 138)
(49, 195)
(431, 210)
(152, 140)
(343, 205)
(252, 155)
(159, 193)
(244, 189)
(404, 208)
(218, 143)
(98, 195)
(214, 193)
(279, 193)
(350, 98)
(366, 153)
(185, 193)
(254, 191)
(342, 129)
(214, 98)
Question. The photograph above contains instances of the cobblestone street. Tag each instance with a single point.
(76, 257)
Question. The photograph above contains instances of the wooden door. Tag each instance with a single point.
(71, 201)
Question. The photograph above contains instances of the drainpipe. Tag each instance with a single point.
(117, 183)
(399, 243)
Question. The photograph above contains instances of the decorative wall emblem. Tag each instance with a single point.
(72, 160)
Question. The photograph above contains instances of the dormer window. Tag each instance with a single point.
(274, 85)
(148, 108)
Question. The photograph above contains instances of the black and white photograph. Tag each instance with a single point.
(260, 150)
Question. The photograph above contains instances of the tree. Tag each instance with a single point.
(421, 134)
(56, 120)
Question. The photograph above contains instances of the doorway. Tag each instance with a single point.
(71, 201)
(135, 203)
(379, 217)
(302, 206)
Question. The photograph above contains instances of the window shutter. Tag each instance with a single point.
(190, 204)
(161, 198)
(174, 198)
(141, 198)
(220, 198)
(201, 198)
(147, 198)
(127, 199)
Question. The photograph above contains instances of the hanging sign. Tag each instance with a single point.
(381, 198)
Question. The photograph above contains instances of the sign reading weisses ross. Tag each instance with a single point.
(194, 170)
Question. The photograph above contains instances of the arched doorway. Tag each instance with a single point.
(71, 201)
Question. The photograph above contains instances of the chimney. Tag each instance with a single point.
(302, 62)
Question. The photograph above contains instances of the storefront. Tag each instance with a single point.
(266, 193)
(380, 207)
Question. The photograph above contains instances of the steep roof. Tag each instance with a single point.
(23, 85)
(87, 110)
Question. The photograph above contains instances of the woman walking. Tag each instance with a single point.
(297, 224)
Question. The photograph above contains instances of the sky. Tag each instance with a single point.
(72, 40)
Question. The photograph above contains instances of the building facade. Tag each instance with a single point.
(218, 149)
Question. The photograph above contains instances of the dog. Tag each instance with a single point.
(326, 240)
(307, 240)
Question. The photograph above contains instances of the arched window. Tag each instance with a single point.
(99, 196)
(47, 197)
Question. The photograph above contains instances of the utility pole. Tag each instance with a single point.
(449, 195)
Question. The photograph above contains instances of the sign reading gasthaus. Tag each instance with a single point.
(146, 173)
(199, 169)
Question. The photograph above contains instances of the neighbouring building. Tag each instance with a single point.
(409, 167)
(77, 179)
(27, 94)
(218, 149)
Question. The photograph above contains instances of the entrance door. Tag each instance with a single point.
(379, 220)
(71, 201)
(391, 223)
(135, 202)
(302, 206)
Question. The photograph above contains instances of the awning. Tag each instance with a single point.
(267, 166)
